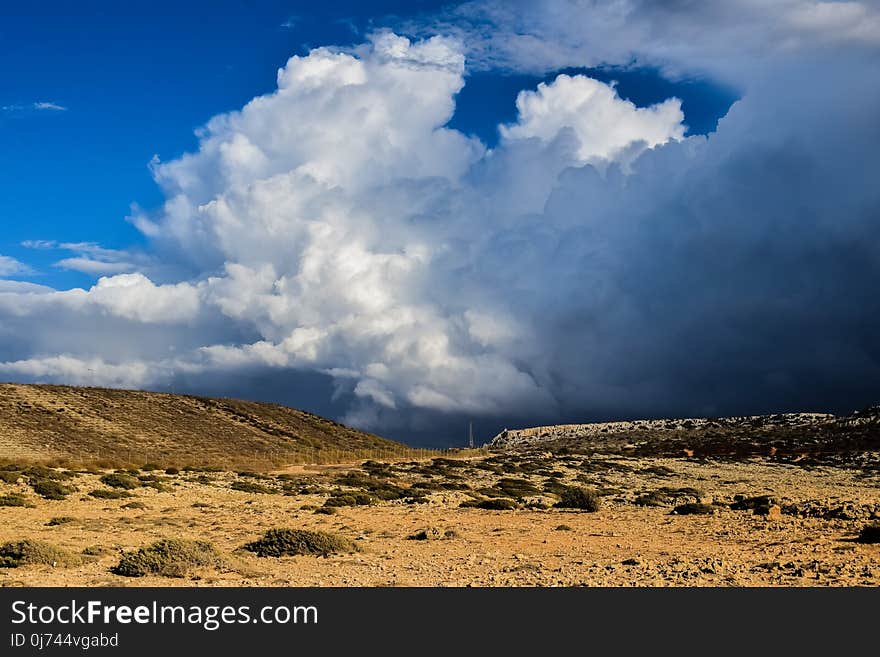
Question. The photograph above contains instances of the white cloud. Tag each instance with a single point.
(91, 266)
(38, 106)
(92, 258)
(605, 125)
(594, 260)
(11, 267)
(52, 107)
(729, 39)
(78, 371)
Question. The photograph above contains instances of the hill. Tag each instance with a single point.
(87, 424)
(787, 436)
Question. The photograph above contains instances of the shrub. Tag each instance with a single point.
(562, 528)
(149, 467)
(104, 494)
(349, 499)
(516, 487)
(290, 542)
(9, 476)
(432, 533)
(743, 503)
(172, 471)
(60, 520)
(325, 510)
(15, 499)
(575, 497)
(42, 472)
(694, 508)
(49, 489)
(493, 504)
(170, 557)
(29, 552)
(134, 505)
(117, 480)
(869, 534)
(251, 487)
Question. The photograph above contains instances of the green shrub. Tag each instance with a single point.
(10, 476)
(251, 487)
(349, 499)
(562, 528)
(29, 552)
(575, 497)
(694, 508)
(42, 472)
(170, 557)
(117, 480)
(149, 467)
(325, 510)
(743, 503)
(15, 499)
(172, 471)
(133, 505)
(60, 520)
(253, 475)
(869, 534)
(104, 494)
(493, 504)
(49, 489)
(290, 542)
(516, 487)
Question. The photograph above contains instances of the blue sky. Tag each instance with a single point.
(138, 80)
(410, 215)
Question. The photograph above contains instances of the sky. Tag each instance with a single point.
(411, 215)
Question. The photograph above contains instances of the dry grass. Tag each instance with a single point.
(77, 427)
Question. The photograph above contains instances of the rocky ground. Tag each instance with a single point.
(661, 521)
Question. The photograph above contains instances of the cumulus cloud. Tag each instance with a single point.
(605, 125)
(596, 262)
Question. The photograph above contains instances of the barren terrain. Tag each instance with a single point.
(725, 503)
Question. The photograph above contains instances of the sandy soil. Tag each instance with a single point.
(620, 545)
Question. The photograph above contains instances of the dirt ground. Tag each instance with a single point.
(623, 544)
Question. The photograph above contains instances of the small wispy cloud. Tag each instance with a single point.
(290, 23)
(11, 267)
(37, 106)
(40, 244)
(48, 105)
(92, 266)
(90, 258)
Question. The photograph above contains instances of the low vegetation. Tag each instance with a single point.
(16, 499)
(870, 533)
(119, 480)
(575, 497)
(106, 494)
(292, 542)
(491, 504)
(695, 508)
(172, 557)
(30, 552)
(50, 489)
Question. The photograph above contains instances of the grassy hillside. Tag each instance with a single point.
(88, 424)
